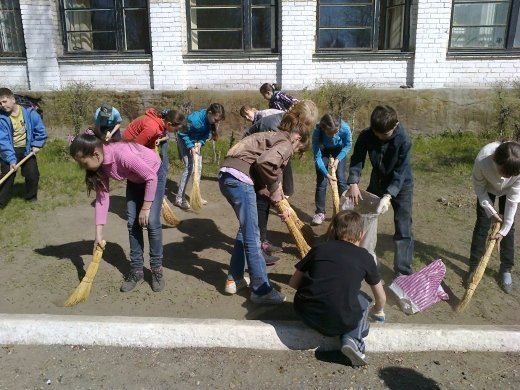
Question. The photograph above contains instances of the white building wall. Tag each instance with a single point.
(15, 75)
(133, 75)
(38, 18)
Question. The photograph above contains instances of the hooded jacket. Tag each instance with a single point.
(146, 129)
(391, 170)
(36, 134)
(199, 129)
(261, 156)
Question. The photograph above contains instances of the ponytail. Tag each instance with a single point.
(268, 87)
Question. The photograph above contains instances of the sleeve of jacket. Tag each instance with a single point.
(269, 164)
(6, 144)
(39, 133)
(403, 162)
(357, 160)
(480, 188)
(346, 140)
(316, 150)
(253, 129)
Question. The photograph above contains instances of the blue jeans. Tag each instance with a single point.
(403, 240)
(134, 202)
(322, 181)
(242, 198)
(479, 239)
(363, 327)
(187, 159)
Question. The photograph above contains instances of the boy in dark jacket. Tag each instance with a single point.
(388, 148)
(21, 132)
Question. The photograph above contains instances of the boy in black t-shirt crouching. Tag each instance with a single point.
(328, 282)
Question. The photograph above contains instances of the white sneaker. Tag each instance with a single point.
(183, 204)
(232, 286)
(203, 201)
(318, 219)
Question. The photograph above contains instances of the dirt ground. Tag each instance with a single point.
(39, 276)
(78, 367)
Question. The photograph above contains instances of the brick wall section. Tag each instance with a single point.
(39, 33)
(107, 75)
(15, 76)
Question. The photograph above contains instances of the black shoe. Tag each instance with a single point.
(131, 281)
(157, 280)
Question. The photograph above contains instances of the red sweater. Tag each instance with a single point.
(146, 129)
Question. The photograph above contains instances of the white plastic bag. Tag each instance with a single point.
(368, 210)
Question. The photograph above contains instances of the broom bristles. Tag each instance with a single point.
(479, 271)
(293, 224)
(195, 197)
(334, 187)
(168, 214)
(82, 292)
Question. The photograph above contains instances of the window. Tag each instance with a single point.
(11, 31)
(119, 26)
(234, 25)
(485, 24)
(363, 24)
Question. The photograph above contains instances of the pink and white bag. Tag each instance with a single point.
(422, 289)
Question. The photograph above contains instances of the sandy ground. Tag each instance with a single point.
(78, 367)
(39, 275)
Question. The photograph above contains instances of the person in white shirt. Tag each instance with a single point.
(496, 173)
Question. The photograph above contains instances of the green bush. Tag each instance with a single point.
(507, 110)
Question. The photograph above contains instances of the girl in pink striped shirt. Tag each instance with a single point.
(138, 165)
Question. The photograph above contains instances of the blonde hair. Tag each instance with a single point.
(300, 119)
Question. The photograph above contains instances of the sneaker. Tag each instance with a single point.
(157, 280)
(318, 219)
(203, 202)
(273, 297)
(506, 282)
(350, 349)
(131, 280)
(269, 248)
(232, 286)
(270, 259)
(183, 204)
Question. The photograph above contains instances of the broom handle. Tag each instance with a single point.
(17, 166)
(334, 187)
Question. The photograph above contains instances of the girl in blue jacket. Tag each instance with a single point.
(331, 138)
(202, 125)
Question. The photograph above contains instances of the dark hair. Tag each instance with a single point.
(507, 156)
(217, 109)
(300, 119)
(268, 87)
(6, 92)
(243, 110)
(383, 119)
(347, 225)
(330, 122)
(175, 117)
(84, 145)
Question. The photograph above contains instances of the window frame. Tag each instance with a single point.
(511, 24)
(15, 54)
(247, 49)
(377, 30)
(120, 31)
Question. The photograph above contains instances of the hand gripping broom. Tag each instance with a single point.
(295, 227)
(195, 197)
(82, 292)
(22, 161)
(479, 271)
(334, 187)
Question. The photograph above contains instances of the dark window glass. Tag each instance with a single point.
(479, 24)
(232, 24)
(363, 24)
(11, 31)
(106, 25)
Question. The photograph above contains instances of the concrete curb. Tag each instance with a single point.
(157, 332)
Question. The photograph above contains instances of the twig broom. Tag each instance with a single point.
(195, 197)
(168, 215)
(82, 292)
(479, 271)
(294, 225)
(22, 161)
(334, 187)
